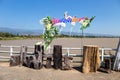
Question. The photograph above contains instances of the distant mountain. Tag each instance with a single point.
(39, 32)
(88, 34)
(21, 31)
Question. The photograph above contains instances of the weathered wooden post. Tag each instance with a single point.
(116, 66)
(91, 58)
(42, 47)
(38, 59)
(106, 66)
(67, 63)
(57, 57)
(23, 55)
(15, 60)
(48, 62)
(30, 62)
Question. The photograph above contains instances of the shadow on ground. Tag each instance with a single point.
(78, 68)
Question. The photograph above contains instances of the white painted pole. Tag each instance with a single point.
(11, 50)
(102, 55)
(68, 51)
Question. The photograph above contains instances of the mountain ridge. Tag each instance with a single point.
(21, 31)
(40, 32)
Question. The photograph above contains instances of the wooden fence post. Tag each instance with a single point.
(14, 60)
(91, 59)
(48, 62)
(106, 66)
(67, 65)
(23, 55)
(57, 57)
(38, 59)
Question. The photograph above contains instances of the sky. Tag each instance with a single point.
(26, 14)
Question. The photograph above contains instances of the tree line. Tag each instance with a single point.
(4, 35)
(10, 36)
(7, 34)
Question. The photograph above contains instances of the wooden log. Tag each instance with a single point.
(112, 62)
(67, 63)
(57, 57)
(15, 60)
(38, 59)
(106, 66)
(23, 55)
(116, 66)
(30, 61)
(42, 49)
(48, 62)
(91, 59)
(27, 61)
(42, 53)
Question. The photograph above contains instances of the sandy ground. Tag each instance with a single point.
(67, 42)
(23, 73)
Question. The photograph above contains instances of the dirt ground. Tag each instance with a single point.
(24, 73)
(66, 42)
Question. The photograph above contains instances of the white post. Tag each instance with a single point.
(11, 50)
(68, 51)
(102, 55)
